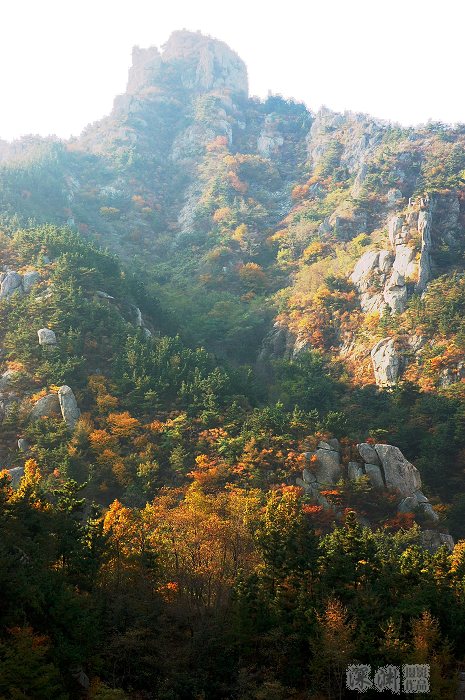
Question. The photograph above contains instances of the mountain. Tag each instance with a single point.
(231, 393)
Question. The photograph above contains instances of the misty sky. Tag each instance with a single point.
(61, 63)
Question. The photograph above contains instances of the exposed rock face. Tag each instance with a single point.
(16, 474)
(375, 475)
(362, 135)
(432, 540)
(30, 279)
(47, 337)
(204, 63)
(395, 293)
(10, 284)
(23, 445)
(368, 453)
(355, 471)
(328, 469)
(388, 469)
(68, 404)
(399, 473)
(270, 140)
(325, 469)
(145, 69)
(8, 396)
(278, 343)
(46, 407)
(364, 267)
(386, 362)
(6, 378)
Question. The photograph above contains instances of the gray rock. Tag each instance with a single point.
(395, 227)
(311, 489)
(355, 471)
(328, 469)
(421, 498)
(432, 540)
(374, 473)
(47, 337)
(386, 362)
(395, 292)
(6, 378)
(68, 404)
(403, 263)
(399, 473)
(80, 677)
(323, 445)
(368, 453)
(385, 261)
(429, 512)
(367, 263)
(394, 196)
(23, 445)
(46, 407)
(30, 279)
(16, 475)
(408, 505)
(309, 477)
(270, 139)
(334, 444)
(11, 283)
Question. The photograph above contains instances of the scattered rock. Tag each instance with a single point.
(68, 404)
(373, 471)
(30, 279)
(399, 473)
(6, 378)
(368, 453)
(23, 445)
(47, 337)
(386, 362)
(432, 540)
(11, 283)
(408, 505)
(355, 471)
(46, 407)
(328, 470)
(429, 512)
(16, 474)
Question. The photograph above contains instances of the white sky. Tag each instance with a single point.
(62, 62)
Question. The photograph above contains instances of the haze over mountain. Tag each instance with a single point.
(231, 392)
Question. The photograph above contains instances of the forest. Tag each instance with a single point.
(203, 299)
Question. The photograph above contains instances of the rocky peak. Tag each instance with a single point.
(205, 64)
(145, 69)
(202, 64)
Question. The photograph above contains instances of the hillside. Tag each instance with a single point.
(231, 394)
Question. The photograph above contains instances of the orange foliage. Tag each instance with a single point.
(122, 424)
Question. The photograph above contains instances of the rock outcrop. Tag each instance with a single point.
(204, 63)
(386, 362)
(16, 474)
(68, 405)
(30, 279)
(11, 282)
(399, 473)
(47, 337)
(384, 465)
(270, 140)
(46, 407)
(432, 540)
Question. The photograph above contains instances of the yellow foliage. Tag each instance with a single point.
(122, 424)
